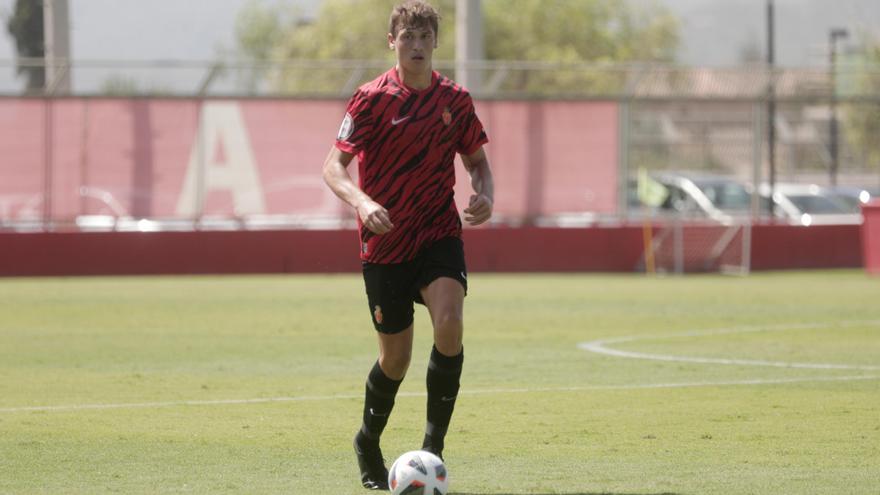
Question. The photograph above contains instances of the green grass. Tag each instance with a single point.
(537, 415)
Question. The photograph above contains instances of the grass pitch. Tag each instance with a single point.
(709, 385)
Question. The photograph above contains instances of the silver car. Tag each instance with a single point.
(854, 197)
(809, 204)
(695, 195)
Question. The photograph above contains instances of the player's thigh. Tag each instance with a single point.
(442, 260)
(390, 296)
(444, 298)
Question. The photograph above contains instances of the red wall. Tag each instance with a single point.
(871, 236)
(547, 157)
(819, 246)
(612, 249)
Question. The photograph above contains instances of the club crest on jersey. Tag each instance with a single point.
(447, 116)
(346, 129)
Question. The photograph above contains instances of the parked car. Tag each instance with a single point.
(696, 195)
(809, 204)
(854, 197)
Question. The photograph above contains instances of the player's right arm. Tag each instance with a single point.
(373, 216)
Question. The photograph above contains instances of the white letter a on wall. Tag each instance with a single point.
(222, 160)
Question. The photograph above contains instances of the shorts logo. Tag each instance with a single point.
(447, 116)
(346, 129)
(377, 314)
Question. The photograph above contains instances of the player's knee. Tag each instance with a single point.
(449, 346)
(449, 322)
(395, 365)
(447, 334)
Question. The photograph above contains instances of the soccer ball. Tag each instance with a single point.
(418, 473)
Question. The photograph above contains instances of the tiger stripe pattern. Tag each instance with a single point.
(405, 141)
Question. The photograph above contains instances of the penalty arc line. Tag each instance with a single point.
(602, 347)
(313, 398)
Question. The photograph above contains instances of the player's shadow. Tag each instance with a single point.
(563, 493)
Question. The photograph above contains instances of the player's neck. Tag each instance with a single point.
(416, 80)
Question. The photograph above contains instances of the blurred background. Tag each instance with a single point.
(217, 114)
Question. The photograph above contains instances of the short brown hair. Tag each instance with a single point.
(413, 14)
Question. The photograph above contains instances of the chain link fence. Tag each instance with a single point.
(694, 122)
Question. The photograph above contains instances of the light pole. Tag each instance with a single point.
(833, 36)
(469, 49)
(56, 25)
(771, 110)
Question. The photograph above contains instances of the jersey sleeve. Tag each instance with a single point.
(474, 135)
(357, 125)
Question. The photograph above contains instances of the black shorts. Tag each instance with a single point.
(393, 288)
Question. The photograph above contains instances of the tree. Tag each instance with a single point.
(562, 31)
(26, 27)
(863, 120)
(350, 32)
(577, 32)
(258, 29)
(750, 52)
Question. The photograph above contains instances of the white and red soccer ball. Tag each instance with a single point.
(418, 473)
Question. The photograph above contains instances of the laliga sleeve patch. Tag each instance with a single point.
(346, 129)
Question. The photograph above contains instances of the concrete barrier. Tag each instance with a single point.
(527, 249)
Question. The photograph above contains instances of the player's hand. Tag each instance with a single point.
(375, 217)
(479, 210)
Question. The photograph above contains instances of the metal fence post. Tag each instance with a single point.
(623, 133)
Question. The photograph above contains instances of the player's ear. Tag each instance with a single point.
(390, 41)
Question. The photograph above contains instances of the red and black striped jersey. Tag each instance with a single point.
(405, 141)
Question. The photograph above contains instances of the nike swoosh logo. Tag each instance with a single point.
(448, 399)
(396, 121)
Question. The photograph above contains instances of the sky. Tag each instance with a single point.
(714, 32)
(147, 29)
(143, 30)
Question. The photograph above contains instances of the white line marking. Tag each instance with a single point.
(601, 347)
(597, 346)
(585, 388)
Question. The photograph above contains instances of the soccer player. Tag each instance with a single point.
(406, 127)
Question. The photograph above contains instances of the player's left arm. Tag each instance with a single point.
(480, 206)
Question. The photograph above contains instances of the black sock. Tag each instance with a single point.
(444, 373)
(378, 403)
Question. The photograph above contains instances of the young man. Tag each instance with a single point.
(406, 127)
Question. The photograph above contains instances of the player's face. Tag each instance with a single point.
(414, 47)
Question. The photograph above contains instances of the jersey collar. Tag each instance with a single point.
(435, 76)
